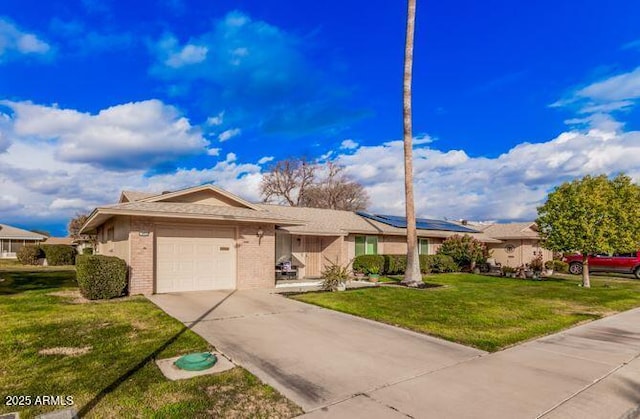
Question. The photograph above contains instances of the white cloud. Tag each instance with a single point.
(67, 204)
(617, 88)
(231, 157)
(615, 93)
(15, 41)
(216, 120)
(348, 145)
(454, 185)
(213, 152)
(133, 135)
(265, 159)
(229, 134)
(187, 55)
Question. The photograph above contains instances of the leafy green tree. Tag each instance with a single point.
(465, 251)
(592, 215)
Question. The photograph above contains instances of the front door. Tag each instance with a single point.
(313, 252)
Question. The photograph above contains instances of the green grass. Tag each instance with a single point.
(117, 377)
(488, 313)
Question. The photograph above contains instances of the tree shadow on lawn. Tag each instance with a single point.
(18, 282)
(149, 358)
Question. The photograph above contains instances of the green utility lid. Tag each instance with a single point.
(196, 362)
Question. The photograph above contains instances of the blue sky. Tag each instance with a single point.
(509, 99)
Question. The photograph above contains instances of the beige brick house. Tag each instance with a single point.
(519, 243)
(205, 238)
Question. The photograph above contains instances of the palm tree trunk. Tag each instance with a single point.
(412, 275)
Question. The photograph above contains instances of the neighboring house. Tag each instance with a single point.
(13, 239)
(79, 244)
(204, 238)
(67, 241)
(519, 243)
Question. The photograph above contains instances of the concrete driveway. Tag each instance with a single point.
(313, 356)
(337, 365)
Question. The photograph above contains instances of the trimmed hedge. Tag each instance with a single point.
(87, 251)
(59, 254)
(394, 264)
(397, 264)
(364, 263)
(29, 254)
(101, 277)
(437, 264)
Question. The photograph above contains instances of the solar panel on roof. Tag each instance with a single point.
(421, 223)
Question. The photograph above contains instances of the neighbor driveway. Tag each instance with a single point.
(337, 365)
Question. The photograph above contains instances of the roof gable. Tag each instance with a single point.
(132, 196)
(10, 232)
(203, 195)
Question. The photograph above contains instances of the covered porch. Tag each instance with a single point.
(304, 256)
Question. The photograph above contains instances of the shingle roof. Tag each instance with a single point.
(59, 240)
(334, 222)
(509, 230)
(10, 232)
(321, 221)
(168, 208)
(133, 196)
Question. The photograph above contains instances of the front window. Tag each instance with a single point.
(366, 245)
(423, 246)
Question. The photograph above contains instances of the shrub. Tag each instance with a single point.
(465, 250)
(394, 264)
(437, 264)
(548, 264)
(508, 270)
(87, 251)
(59, 254)
(536, 264)
(333, 275)
(101, 277)
(560, 266)
(29, 254)
(364, 263)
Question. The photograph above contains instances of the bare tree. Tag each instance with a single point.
(75, 224)
(296, 183)
(287, 181)
(412, 275)
(336, 191)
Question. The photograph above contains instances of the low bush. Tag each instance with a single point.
(560, 266)
(101, 277)
(59, 254)
(87, 251)
(437, 264)
(364, 263)
(548, 264)
(29, 254)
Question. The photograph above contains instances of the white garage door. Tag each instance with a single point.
(195, 258)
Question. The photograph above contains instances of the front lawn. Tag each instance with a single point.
(102, 353)
(488, 313)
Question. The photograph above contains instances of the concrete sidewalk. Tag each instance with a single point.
(591, 371)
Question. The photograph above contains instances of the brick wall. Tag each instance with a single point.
(256, 257)
(141, 264)
(332, 251)
(392, 245)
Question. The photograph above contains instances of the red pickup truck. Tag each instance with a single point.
(628, 263)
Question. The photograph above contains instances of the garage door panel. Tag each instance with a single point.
(194, 259)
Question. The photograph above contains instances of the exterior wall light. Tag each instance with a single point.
(260, 233)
